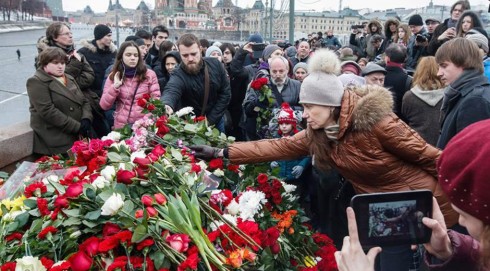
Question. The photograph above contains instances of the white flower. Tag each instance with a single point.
(251, 204)
(75, 234)
(118, 145)
(12, 215)
(288, 188)
(109, 172)
(101, 182)
(29, 263)
(233, 207)
(217, 223)
(184, 111)
(114, 136)
(219, 173)
(51, 178)
(112, 204)
(203, 165)
(137, 154)
(230, 218)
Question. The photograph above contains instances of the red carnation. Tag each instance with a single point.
(145, 243)
(199, 118)
(8, 266)
(61, 202)
(151, 107)
(13, 236)
(35, 189)
(108, 243)
(90, 246)
(42, 205)
(233, 168)
(216, 163)
(195, 168)
(80, 261)
(46, 262)
(125, 176)
(262, 178)
(44, 232)
(124, 237)
(110, 229)
(190, 262)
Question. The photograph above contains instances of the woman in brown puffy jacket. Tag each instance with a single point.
(355, 132)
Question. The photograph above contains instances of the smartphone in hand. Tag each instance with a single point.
(385, 219)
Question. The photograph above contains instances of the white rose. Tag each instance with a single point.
(184, 111)
(219, 173)
(100, 182)
(51, 178)
(112, 204)
(109, 172)
(233, 208)
(29, 263)
(114, 136)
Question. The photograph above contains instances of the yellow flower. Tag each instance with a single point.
(309, 261)
(7, 203)
(18, 203)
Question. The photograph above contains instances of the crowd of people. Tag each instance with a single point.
(370, 116)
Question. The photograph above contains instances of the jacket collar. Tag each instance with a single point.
(468, 80)
(68, 91)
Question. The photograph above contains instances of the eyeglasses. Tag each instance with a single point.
(66, 34)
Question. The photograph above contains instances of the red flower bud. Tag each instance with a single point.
(110, 229)
(160, 198)
(151, 211)
(147, 200)
(143, 162)
(74, 190)
(125, 176)
(80, 261)
(146, 96)
(61, 202)
(138, 213)
(151, 107)
(142, 102)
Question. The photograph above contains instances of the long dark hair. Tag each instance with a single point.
(321, 145)
(119, 64)
(475, 22)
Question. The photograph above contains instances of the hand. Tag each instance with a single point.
(448, 34)
(297, 171)
(85, 127)
(440, 244)
(352, 257)
(248, 47)
(117, 80)
(274, 164)
(168, 110)
(205, 152)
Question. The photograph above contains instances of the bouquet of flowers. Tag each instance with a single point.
(265, 99)
(142, 201)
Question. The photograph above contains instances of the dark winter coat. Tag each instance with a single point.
(56, 111)
(331, 41)
(421, 110)
(238, 67)
(396, 82)
(466, 101)
(466, 255)
(161, 70)
(295, 60)
(99, 60)
(414, 52)
(238, 86)
(184, 90)
(434, 43)
(376, 151)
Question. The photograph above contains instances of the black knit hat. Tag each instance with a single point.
(101, 31)
(415, 20)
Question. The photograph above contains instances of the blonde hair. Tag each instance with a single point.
(425, 76)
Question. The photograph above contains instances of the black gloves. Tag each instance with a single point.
(205, 152)
(85, 128)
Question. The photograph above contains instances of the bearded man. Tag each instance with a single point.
(186, 86)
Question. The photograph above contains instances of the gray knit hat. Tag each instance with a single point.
(301, 65)
(322, 86)
(212, 49)
(269, 49)
(479, 39)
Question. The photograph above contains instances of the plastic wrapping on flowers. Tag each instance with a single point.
(144, 202)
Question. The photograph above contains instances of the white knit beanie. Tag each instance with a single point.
(322, 86)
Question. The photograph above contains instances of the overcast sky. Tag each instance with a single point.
(318, 5)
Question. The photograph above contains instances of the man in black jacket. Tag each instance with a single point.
(186, 86)
(100, 54)
(467, 97)
(396, 79)
(160, 34)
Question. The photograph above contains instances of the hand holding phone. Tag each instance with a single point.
(440, 244)
(385, 219)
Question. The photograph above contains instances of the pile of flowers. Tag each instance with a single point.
(138, 199)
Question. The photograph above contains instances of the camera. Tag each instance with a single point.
(385, 219)
(421, 38)
(258, 48)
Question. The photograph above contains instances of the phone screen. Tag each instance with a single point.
(385, 219)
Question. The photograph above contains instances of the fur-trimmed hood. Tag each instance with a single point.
(378, 24)
(42, 44)
(89, 44)
(363, 107)
(388, 34)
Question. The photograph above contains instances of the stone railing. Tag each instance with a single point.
(15, 143)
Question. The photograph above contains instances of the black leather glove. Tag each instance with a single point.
(205, 152)
(85, 127)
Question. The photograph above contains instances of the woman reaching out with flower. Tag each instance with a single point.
(129, 81)
(357, 133)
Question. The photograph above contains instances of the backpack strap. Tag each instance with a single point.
(206, 90)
